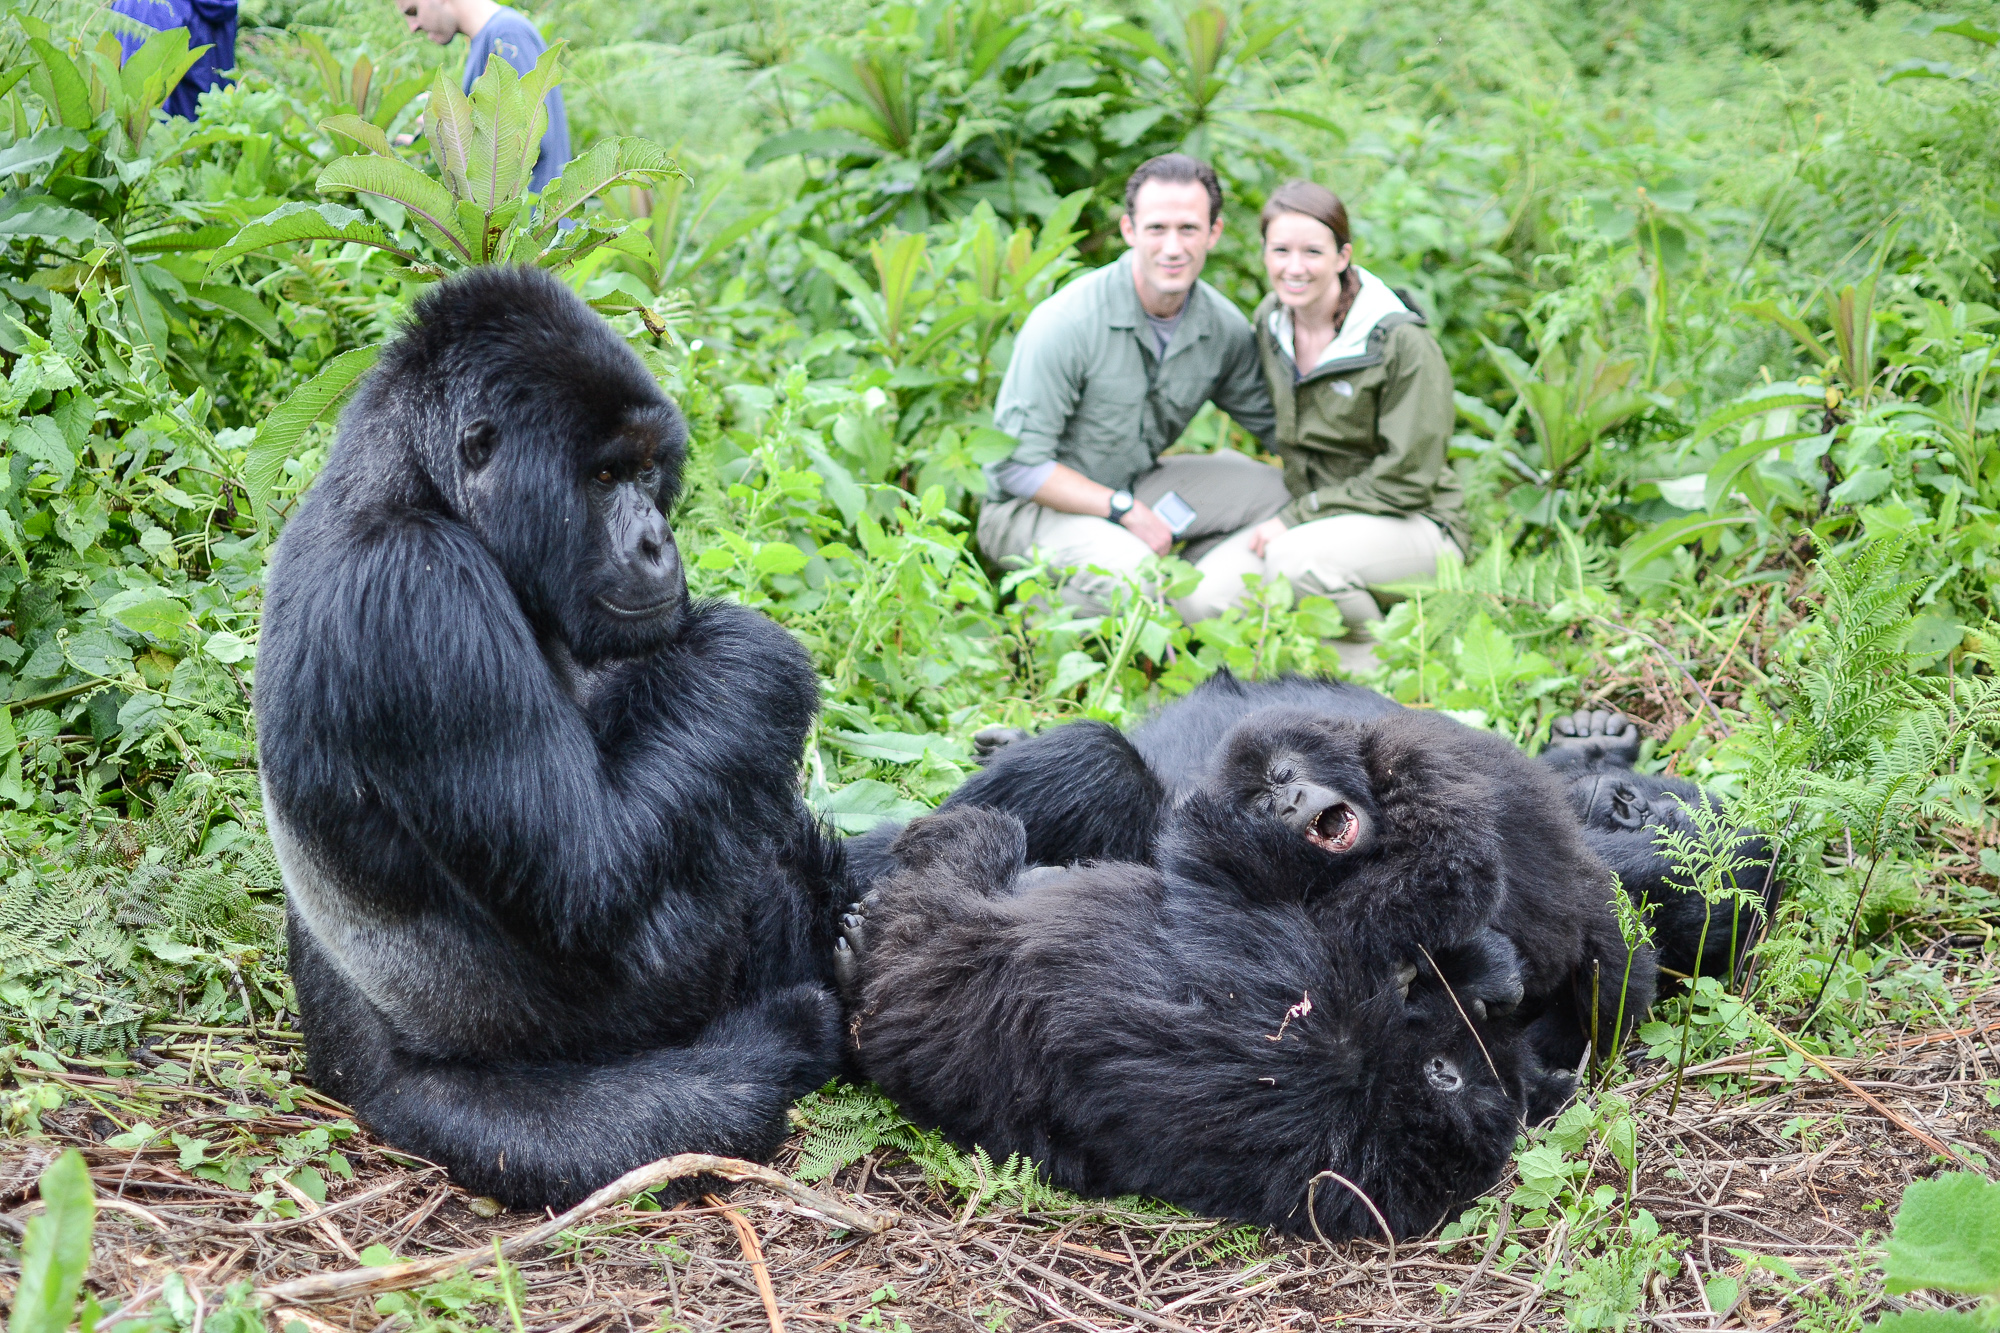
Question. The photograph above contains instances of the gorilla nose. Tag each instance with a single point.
(1443, 1074)
(1300, 802)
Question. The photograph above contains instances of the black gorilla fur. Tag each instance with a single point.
(555, 906)
(1087, 792)
(1621, 812)
(1222, 1029)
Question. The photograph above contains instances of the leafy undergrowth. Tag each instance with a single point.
(1763, 1198)
(1718, 296)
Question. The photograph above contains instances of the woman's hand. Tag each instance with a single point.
(1261, 535)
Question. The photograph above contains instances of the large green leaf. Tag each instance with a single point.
(508, 118)
(369, 136)
(392, 178)
(448, 126)
(49, 221)
(10, 745)
(40, 148)
(1763, 398)
(56, 1249)
(609, 162)
(1656, 541)
(278, 438)
(395, 98)
(817, 143)
(56, 79)
(299, 222)
(1947, 1236)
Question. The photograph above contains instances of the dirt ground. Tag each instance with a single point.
(1751, 1165)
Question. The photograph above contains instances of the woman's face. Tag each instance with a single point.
(1304, 261)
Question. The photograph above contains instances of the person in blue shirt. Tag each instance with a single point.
(495, 29)
(210, 23)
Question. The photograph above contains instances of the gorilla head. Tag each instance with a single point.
(1305, 771)
(542, 432)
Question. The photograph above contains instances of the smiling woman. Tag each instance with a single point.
(1364, 410)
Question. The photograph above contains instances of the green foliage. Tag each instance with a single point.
(1947, 1238)
(845, 1123)
(56, 1249)
(1721, 310)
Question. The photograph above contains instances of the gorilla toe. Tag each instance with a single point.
(988, 742)
(1599, 733)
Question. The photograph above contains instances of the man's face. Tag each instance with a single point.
(435, 19)
(1170, 233)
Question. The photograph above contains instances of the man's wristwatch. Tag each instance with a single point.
(1121, 505)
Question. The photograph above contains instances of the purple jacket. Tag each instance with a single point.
(210, 23)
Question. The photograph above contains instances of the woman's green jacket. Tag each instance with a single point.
(1367, 434)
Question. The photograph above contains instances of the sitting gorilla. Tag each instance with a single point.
(1301, 986)
(555, 906)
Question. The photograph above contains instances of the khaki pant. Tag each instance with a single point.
(1339, 558)
(1228, 492)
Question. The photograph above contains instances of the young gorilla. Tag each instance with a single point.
(1264, 1008)
(1622, 812)
(1085, 792)
(555, 907)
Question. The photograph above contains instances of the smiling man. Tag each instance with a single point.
(1106, 374)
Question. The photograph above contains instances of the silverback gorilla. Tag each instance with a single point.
(555, 906)
(1313, 977)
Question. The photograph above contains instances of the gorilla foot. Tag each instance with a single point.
(1604, 732)
(988, 742)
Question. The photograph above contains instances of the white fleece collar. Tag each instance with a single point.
(1371, 303)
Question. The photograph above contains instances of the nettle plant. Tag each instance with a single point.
(478, 209)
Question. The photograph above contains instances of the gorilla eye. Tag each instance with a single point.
(606, 477)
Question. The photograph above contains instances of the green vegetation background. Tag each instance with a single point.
(1717, 282)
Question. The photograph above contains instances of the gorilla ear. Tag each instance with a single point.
(476, 442)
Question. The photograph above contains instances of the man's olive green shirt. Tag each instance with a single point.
(1088, 388)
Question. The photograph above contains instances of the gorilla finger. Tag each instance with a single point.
(846, 968)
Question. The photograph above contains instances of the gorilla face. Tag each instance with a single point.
(567, 472)
(635, 585)
(1306, 772)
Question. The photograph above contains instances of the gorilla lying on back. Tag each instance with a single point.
(1303, 985)
(555, 906)
(1087, 792)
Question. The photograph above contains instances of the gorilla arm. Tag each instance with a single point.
(448, 718)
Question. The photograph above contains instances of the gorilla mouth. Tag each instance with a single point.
(637, 612)
(1335, 829)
